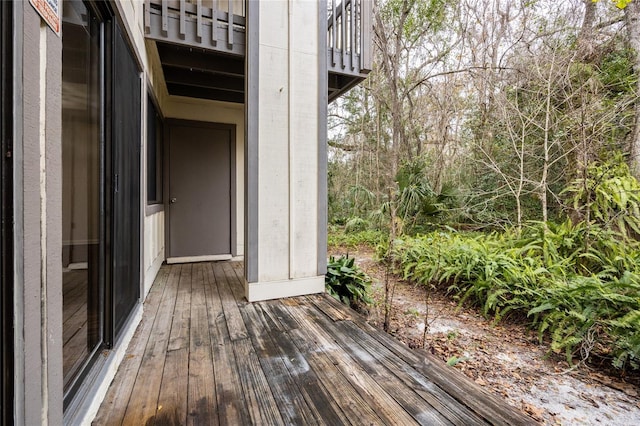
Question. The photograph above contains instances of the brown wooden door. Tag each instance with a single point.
(200, 178)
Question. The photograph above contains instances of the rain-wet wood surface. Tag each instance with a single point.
(202, 354)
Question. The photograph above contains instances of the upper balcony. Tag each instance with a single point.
(201, 45)
(349, 37)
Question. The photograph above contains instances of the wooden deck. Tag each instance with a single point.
(204, 355)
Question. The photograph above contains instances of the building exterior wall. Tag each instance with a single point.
(285, 190)
(37, 173)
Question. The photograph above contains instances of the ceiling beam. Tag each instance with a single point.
(200, 59)
(203, 79)
(204, 93)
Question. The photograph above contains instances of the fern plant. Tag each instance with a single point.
(609, 195)
(584, 297)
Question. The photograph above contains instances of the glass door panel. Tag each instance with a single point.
(81, 184)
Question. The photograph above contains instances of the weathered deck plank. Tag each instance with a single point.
(399, 379)
(204, 355)
(143, 402)
(115, 403)
(202, 387)
(373, 395)
(292, 406)
(230, 398)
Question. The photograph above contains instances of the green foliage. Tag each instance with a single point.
(578, 284)
(419, 205)
(346, 282)
(352, 240)
(356, 224)
(616, 72)
(609, 195)
(419, 14)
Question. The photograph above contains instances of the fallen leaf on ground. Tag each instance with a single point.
(533, 411)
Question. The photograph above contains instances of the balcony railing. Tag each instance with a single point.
(349, 36)
(213, 34)
(209, 24)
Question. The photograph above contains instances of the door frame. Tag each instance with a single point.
(173, 122)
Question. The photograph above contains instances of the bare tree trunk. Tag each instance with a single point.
(585, 40)
(632, 18)
(544, 183)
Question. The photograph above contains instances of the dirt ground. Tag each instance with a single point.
(505, 358)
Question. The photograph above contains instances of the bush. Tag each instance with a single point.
(346, 282)
(339, 238)
(578, 284)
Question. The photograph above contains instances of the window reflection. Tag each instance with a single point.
(80, 187)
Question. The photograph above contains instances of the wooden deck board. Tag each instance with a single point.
(288, 397)
(143, 402)
(204, 355)
(201, 394)
(229, 396)
(115, 403)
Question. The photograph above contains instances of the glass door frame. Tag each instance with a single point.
(104, 15)
(6, 207)
(112, 215)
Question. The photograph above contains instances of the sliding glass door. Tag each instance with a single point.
(101, 141)
(82, 162)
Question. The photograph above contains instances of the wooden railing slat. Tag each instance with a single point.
(214, 22)
(352, 29)
(183, 13)
(343, 42)
(334, 28)
(199, 18)
(147, 16)
(230, 24)
(165, 16)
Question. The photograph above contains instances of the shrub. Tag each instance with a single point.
(371, 238)
(578, 284)
(346, 282)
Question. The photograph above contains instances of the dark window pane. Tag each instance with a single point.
(154, 154)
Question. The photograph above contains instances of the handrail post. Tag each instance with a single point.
(165, 16)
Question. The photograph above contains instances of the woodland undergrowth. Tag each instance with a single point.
(578, 285)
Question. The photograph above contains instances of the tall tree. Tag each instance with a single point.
(632, 21)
